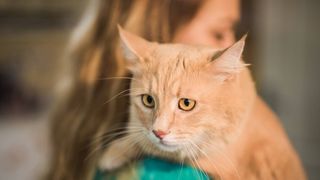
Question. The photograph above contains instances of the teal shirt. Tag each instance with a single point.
(151, 168)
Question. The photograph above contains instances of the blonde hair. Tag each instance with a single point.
(85, 115)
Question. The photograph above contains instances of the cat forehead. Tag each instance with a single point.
(176, 62)
(172, 52)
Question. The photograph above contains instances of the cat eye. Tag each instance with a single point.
(147, 101)
(186, 104)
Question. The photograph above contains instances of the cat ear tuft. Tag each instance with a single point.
(134, 47)
(229, 60)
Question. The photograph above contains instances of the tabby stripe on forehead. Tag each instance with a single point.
(166, 81)
(180, 57)
(178, 61)
(184, 64)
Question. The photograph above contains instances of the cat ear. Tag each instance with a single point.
(134, 47)
(228, 61)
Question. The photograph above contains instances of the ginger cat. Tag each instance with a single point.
(198, 105)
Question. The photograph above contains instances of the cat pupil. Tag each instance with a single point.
(149, 99)
(186, 102)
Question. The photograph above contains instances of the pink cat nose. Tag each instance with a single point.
(159, 133)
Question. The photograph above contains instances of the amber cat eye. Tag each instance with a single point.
(186, 104)
(147, 101)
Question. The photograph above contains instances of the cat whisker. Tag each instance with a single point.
(181, 165)
(120, 78)
(131, 139)
(123, 128)
(129, 94)
(120, 93)
(208, 158)
(105, 141)
(145, 146)
(192, 158)
(103, 144)
(115, 132)
(224, 156)
(194, 150)
(139, 154)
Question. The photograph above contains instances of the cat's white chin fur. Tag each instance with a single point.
(162, 145)
(167, 148)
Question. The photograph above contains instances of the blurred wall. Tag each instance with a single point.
(33, 37)
(287, 43)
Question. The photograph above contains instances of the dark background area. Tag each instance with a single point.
(283, 48)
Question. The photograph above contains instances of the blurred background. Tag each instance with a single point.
(283, 48)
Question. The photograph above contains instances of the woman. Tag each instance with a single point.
(99, 67)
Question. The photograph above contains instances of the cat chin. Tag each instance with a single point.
(167, 148)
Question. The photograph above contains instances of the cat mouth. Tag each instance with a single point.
(166, 146)
(163, 144)
(166, 143)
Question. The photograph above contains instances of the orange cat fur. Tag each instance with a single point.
(230, 132)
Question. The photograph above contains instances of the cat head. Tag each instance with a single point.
(185, 96)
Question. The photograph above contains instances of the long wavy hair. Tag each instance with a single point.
(95, 103)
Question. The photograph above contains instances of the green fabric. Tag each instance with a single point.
(151, 168)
